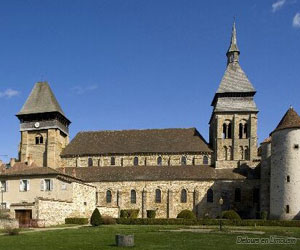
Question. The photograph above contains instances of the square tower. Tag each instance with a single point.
(233, 124)
(44, 128)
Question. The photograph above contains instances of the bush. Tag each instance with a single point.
(78, 221)
(11, 231)
(264, 215)
(108, 220)
(186, 214)
(151, 214)
(231, 215)
(96, 219)
(4, 214)
(129, 213)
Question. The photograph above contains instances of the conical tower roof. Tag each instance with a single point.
(41, 100)
(290, 120)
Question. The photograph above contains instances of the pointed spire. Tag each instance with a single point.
(233, 50)
(290, 120)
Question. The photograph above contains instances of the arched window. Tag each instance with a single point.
(205, 160)
(39, 139)
(136, 161)
(157, 196)
(242, 152)
(246, 153)
(225, 151)
(112, 161)
(210, 195)
(237, 195)
(227, 130)
(108, 196)
(183, 160)
(243, 129)
(183, 197)
(240, 130)
(90, 162)
(133, 196)
(121, 162)
(159, 161)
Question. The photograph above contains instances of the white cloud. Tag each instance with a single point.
(278, 5)
(79, 90)
(296, 20)
(8, 93)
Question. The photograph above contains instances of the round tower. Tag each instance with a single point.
(285, 168)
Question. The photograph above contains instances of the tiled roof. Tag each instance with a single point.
(136, 141)
(41, 100)
(290, 120)
(153, 173)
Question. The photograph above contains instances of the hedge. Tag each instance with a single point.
(129, 213)
(130, 221)
(151, 214)
(79, 221)
(186, 214)
(231, 215)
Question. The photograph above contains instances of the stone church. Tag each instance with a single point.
(166, 170)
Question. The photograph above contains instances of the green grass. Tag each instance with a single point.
(146, 237)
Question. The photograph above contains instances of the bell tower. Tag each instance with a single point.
(44, 128)
(233, 123)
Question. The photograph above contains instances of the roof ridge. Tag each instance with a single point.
(123, 130)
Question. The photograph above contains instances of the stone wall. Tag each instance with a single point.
(8, 223)
(171, 204)
(128, 160)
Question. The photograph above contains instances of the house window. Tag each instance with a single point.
(237, 195)
(24, 185)
(158, 196)
(205, 160)
(112, 161)
(183, 197)
(4, 186)
(39, 139)
(287, 209)
(210, 196)
(132, 196)
(90, 162)
(296, 146)
(288, 178)
(183, 160)
(108, 196)
(46, 185)
(159, 161)
(136, 161)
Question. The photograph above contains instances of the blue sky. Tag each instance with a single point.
(122, 64)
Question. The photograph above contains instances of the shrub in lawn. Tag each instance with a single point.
(96, 219)
(11, 230)
(264, 215)
(108, 220)
(151, 214)
(231, 215)
(78, 221)
(129, 213)
(186, 214)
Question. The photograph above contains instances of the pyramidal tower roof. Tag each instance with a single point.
(290, 120)
(234, 82)
(41, 100)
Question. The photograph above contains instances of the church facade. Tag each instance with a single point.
(166, 170)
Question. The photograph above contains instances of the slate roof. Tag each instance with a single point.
(235, 104)
(235, 80)
(153, 173)
(233, 43)
(136, 141)
(290, 120)
(41, 100)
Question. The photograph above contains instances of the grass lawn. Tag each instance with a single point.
(146, 237)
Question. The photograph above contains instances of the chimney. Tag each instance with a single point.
(12, 162)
